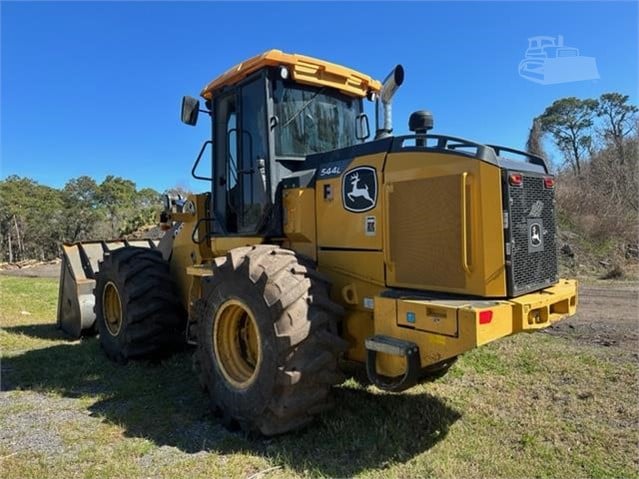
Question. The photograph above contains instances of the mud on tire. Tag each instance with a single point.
(293, 363)
(137, 280)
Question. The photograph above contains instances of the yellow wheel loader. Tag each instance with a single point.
(312, 246)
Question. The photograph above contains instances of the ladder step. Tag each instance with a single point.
(390, 345)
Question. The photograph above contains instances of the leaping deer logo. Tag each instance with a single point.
(535, 234)
(359, 189)
(357, 192)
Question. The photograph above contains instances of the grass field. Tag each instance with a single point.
(527, 406)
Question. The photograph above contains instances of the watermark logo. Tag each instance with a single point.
(548, 61)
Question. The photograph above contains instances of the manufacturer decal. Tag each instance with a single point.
(536, 209)
(332, 169)
(535, 236)
(370, 226)
(436, 339)
(359, 189)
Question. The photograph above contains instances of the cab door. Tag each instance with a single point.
(253, 154)
(241, 154)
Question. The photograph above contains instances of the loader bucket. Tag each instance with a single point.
(80, 264)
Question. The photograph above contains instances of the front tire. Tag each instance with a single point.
(138, 314)
(267, 340)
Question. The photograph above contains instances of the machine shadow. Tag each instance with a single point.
(163, 403)
(39, 331)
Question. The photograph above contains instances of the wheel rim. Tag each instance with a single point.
(112, 309)
(237, 344)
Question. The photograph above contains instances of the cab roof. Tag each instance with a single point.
(302, 69)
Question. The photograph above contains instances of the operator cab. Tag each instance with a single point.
(268, 114)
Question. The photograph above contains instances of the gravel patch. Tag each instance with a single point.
(32, 422)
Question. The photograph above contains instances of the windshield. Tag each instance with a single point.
(312, 120)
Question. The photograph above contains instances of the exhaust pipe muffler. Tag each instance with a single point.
(384, 102)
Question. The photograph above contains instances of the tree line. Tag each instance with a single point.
(35, 218)
(597, 143)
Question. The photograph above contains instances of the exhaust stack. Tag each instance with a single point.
(390, 85)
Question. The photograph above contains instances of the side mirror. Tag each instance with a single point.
(190, 110)
(362, 128)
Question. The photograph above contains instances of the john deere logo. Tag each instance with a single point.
(535, 235)
(359, 189)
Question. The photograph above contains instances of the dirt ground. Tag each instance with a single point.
(44, 270)
(607, 315)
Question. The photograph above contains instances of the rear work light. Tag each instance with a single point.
(549, 182)
(516, 179)
(485, 317)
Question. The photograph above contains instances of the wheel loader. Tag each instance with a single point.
(314, 246)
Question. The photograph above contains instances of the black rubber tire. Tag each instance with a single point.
(297, 323)
(153, 319)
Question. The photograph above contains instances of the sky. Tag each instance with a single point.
(92, 88)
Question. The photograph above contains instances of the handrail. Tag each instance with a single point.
(196, 229)
(197, 162)
(449, 144)
(464, 250)
(485, 152)
(530, 157)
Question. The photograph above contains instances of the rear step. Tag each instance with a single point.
(80, 263)
(394, 347)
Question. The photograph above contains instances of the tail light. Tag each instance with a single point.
(515, 179)
(485, 317)
(549, 182)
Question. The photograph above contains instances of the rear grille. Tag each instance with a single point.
(425, 237)
(531, 254)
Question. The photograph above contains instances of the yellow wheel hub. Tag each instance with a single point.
(236, 343)
(112, 308)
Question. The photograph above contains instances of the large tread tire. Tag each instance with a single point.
(300, 347)
(152, 318)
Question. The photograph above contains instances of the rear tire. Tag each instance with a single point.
(138, 314)
(267, 340)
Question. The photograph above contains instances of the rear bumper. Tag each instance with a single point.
(446, 328)
(541, 309)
